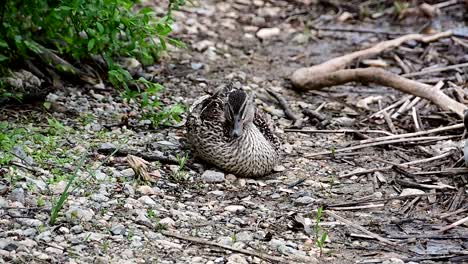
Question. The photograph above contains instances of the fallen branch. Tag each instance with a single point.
(303, 77)
(287, 110)
(414, 134)
(385, 78)
(264, 256)
(338, 131)
(373, 144)
(333, 72)
(360, 228)
(441, 156)
(437, 69)
(457, 223)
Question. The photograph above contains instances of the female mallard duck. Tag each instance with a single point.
(226, 130)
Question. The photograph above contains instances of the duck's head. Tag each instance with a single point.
(239, 111)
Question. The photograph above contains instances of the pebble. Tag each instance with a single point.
(304, 200)
(17, 195)
(99, 197)
(128, 173)
(107, 146)
(44, 236)
(236, 259)
(7, 245)
(59, 187)
(212, 176)
(118, 229)
(224, 240)
(77, 229)
(244, 236)
(30, 222)
(29, 243)
(267, 33)
(168, 222)
(79, 213)
(203, 45)
(234, 208)
(146, 200)
(146, 190)
(53, 250)
(279, 168)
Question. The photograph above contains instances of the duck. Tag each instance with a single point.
(227, 130)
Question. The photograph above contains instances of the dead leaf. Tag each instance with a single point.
(140, 167)
(364, 103)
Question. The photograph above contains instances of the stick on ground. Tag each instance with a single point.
(264, 256)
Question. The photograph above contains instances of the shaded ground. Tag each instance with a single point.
(111, 217)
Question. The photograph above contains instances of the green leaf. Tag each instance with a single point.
(3, 58)
(91, 44)
(100, 27)
(47, 105)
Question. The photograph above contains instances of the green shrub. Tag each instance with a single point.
(63, 36)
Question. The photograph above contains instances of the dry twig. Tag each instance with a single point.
(264, 256)
(373, 144)
(287, 110)
(360, 228)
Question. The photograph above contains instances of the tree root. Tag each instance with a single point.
(332, 73)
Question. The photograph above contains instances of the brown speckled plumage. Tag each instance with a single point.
(253, 154)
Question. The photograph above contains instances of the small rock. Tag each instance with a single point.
(234, 208)
(236, 259)
(44, 236)
(146, 200)
(266, 33)
(393, 261)
(410, 191)
(101, 260)
(167, 221)
(101, 176)
(59, 187)
(29, 243)
(53, 250)
(8, 245)
(51, 97)
(79, 213)
(107, 146)
(30, 222)
(244, 236)
(168, 244)
(3, 190)
(225, 240)
(118, 229)
(146, 190)
(136, 242)
(99, 197)
(203, 45)
(77, 229)
(129, 190)
(212, 176)
(197, 260)
(279, 168)
(304, 200)
(17, 195)
(217, 193)
(64, 230)
(128, 173)
(231, 177)
(196, 66)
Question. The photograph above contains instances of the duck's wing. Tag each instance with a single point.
(265, 125)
